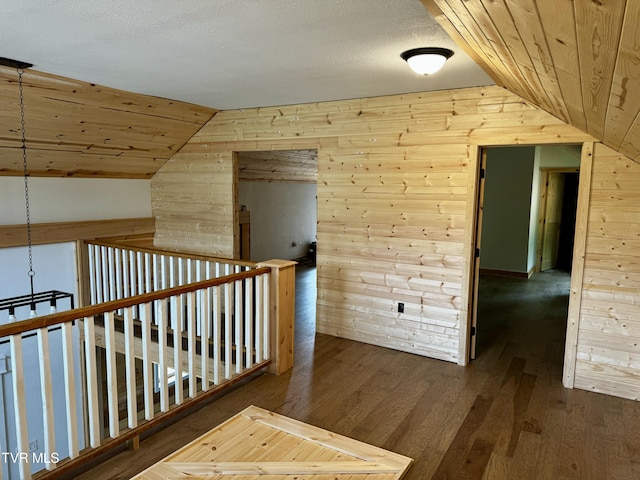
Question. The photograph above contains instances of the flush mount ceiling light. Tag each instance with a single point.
(426, 61)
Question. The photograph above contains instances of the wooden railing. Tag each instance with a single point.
(120, 271)
(129, 363)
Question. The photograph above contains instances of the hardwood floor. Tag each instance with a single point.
(506, 416)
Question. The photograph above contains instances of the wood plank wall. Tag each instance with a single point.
(608, 348)
(396, 177)
(298, 166)
(193, 199)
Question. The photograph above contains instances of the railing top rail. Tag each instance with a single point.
(70, 315)
(124, 246)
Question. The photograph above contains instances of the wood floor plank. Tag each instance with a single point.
(450, 466)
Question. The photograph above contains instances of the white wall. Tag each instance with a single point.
(559, 156)
(61, 200)
(52, 200)
(535, 212)
(547, 156)
(507, 202)
(511, 203)
(73, 199)
(281, 214)
(55, 267)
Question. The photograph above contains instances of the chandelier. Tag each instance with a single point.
(31, 299)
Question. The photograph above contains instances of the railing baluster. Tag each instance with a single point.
(93, 279)
(265, 316)
(205, 315)
(140, 276)
(190, 271)
(217, 319)
(177, 347)
(180, 271)
(132, 272)
(92, 381)
(46, 391)
(248, 322)
(118, 268)
(126, 281)
(19, 402)
(130, 369)
(228, 311)
(238, 324)
(191, 337)
(147, 269)
(106, 295)
(258, 322)
(112, 378)
(162, 356)
(99, 277)
(111, 284)
(147, 365)
(199, 277)
(70, 389)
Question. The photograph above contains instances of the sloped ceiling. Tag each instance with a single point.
(79, 129)
(577, 59)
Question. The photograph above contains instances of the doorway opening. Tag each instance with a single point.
(277, 203)
(525, 228)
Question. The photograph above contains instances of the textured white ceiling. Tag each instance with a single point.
(231, 54)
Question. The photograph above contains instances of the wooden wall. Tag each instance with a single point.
(608, 343)
(193, 198)
(298, 166)
(396, 197)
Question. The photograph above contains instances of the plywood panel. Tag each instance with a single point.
(257, 443)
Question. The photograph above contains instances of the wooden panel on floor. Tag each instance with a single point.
(256, 443)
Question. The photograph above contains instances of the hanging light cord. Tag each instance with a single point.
(31, 273)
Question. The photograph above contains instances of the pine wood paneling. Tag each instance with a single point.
(80, 129)
(300, 166)
(192, 198)
(608, 350)
(577, 60)
(395, 202)
(44, 233)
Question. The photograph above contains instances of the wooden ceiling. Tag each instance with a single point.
(77, 129)
(300, 166)
(577, 59)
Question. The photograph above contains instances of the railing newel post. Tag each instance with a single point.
(282, 293)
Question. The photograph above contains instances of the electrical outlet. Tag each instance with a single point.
(400, 307)
(33, 445)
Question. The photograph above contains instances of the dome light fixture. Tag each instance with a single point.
(426, 60)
